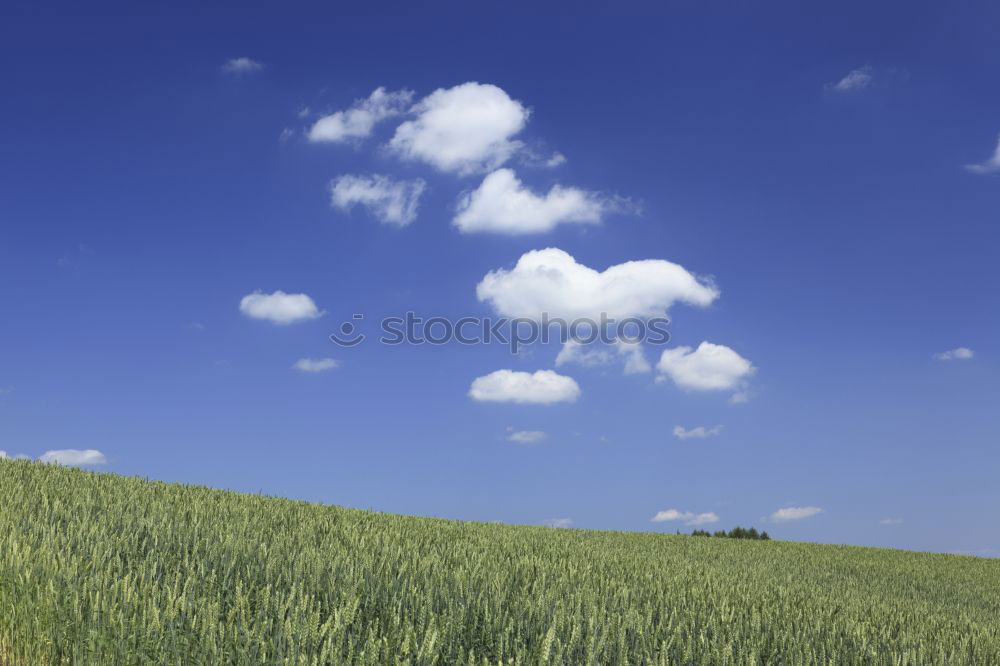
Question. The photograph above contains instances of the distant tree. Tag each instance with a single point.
(735, 533)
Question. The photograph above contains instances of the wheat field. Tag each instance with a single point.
(100, 570)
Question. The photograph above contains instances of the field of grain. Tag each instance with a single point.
(103, 570)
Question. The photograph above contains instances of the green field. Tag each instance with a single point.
(99, 570)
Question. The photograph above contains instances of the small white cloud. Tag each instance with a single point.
(711, 367)
(543, 387)
(305, 112)
(557, 159)
(286, 135)
(526, 436)
(689, 517)
(466, 129)
(389, 201)
(241, 66)
(20, 456)
(279, 307)
(315, 364)
(558, 522)
(502, 204)
(794, 513)
(698, 432)
(857, 79)
(358, 121)
(891, 521)
(73, 457)
(989, 166)
(740, 397)
(551, 281)
(577, 353)
(957, 354)
(595, 354)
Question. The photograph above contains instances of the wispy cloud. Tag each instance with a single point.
(699, 432)
(557, 159)
(526, 436)
(988, 166)
(594, 354)
(315, 364)
(241, 66)
(957, 354)
(794, 513)
(358, 121)
(558, 522)
(688, 517)
(389, 201)
(855, 80)
(5, 456)
(74, 457)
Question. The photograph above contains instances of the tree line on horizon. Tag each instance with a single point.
(735, 533)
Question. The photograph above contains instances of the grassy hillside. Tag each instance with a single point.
(101, 570)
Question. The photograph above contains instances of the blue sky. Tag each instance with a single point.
(812, 166)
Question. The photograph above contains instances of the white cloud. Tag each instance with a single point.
(594, 354)
(286, 135)
(315, 364)
(466, 129)
(957, 354)
(544, 387)
(501, 204)
(688, 517)
(711, 367)
(740, 397)
(526, 436)
(794, 513)
(73, 457)
(390, 201)
(241, 66)
(557, 159)
(990, 165)
(20, 456)
(857, 79)
(551, 281)
(558, 522)
(586, 355)
(358, 121)
(279, 307)
(891, 521)
(699, 432)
